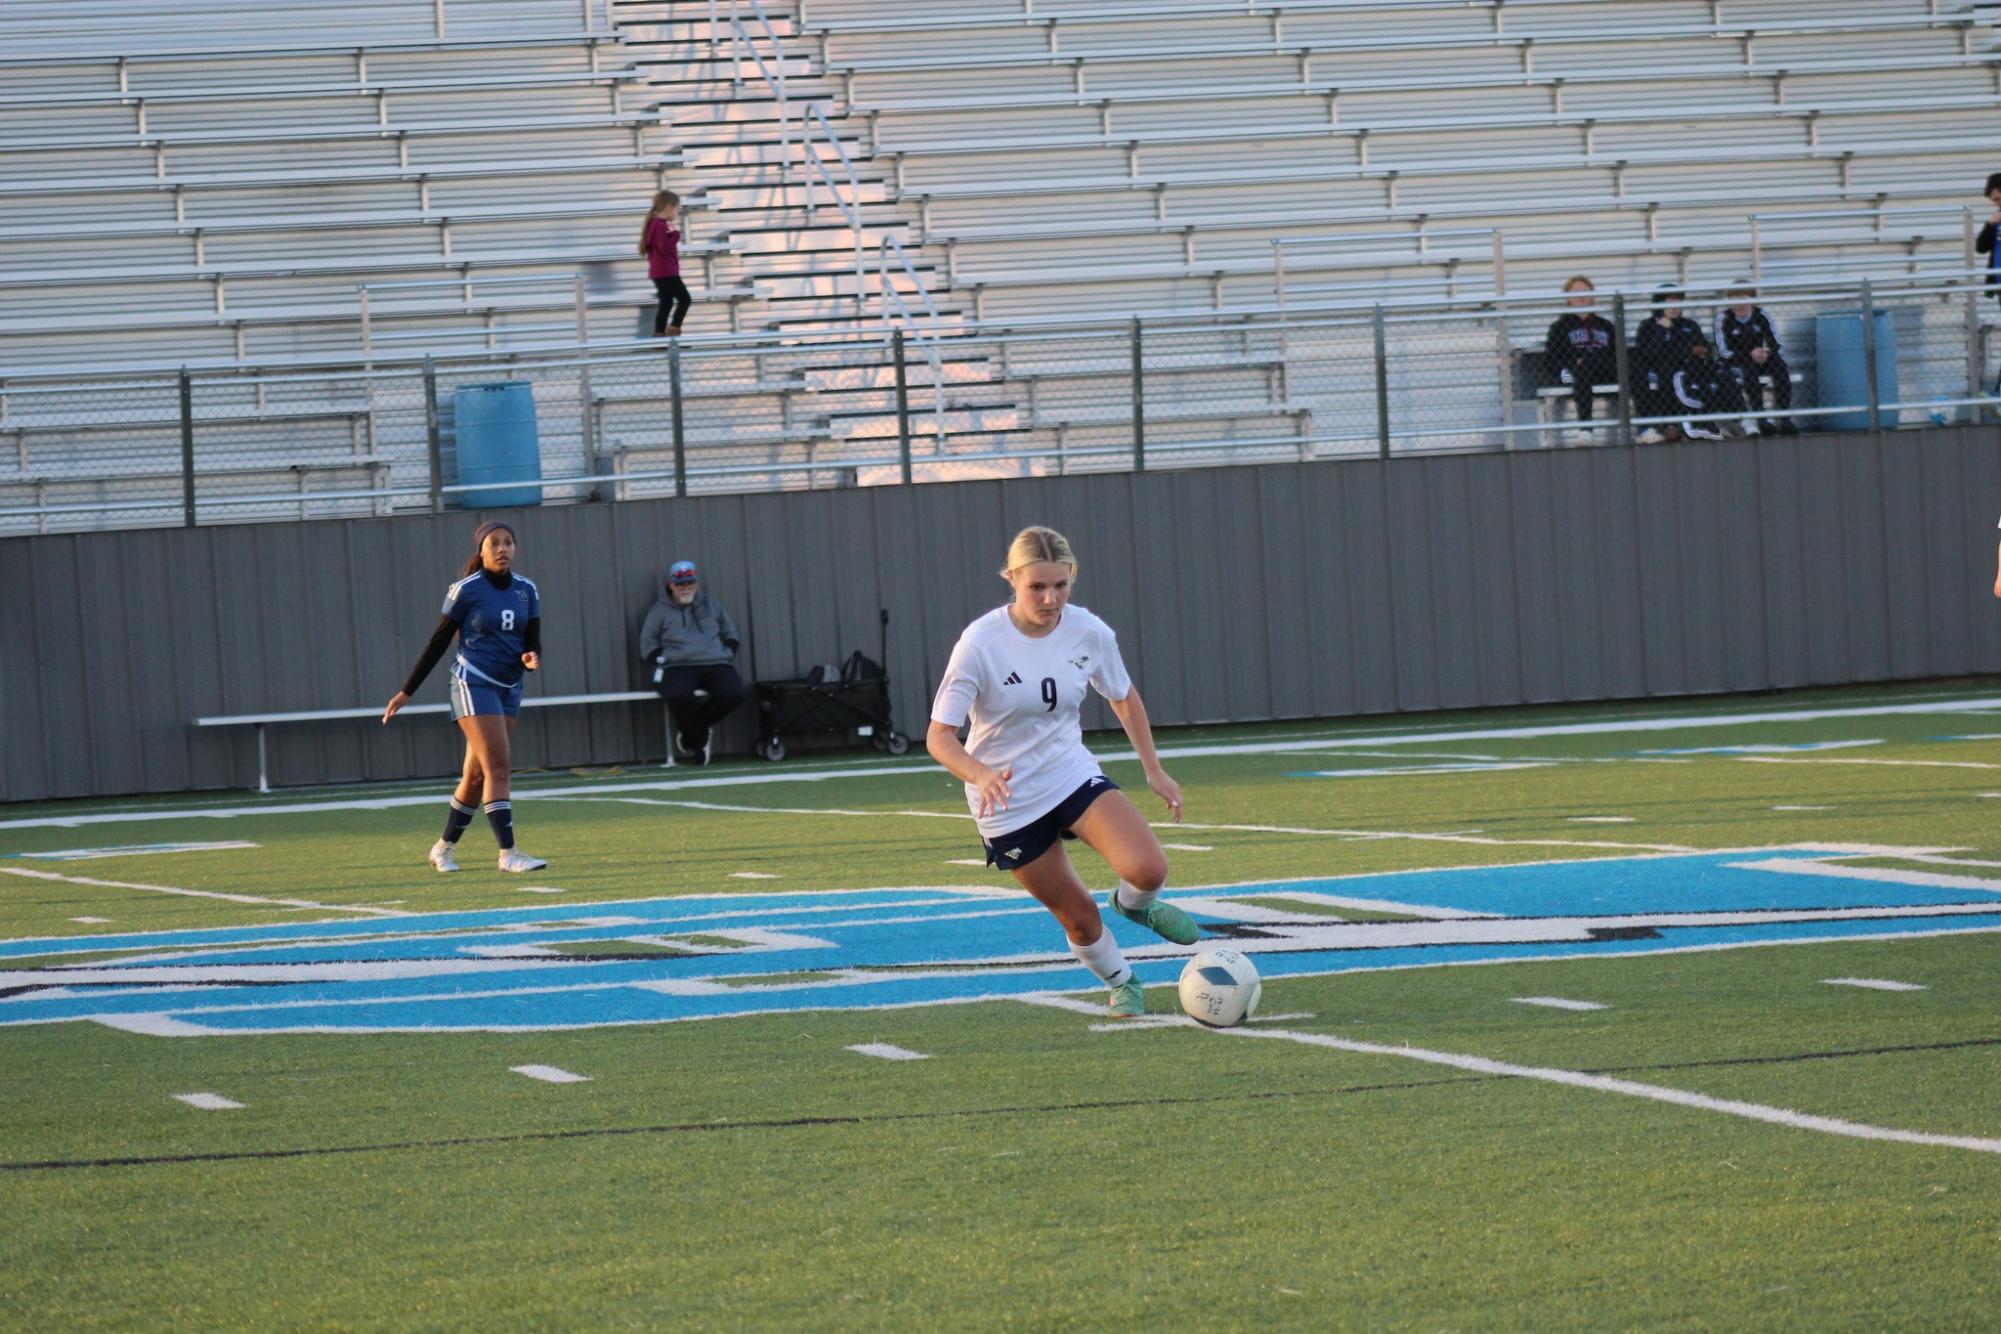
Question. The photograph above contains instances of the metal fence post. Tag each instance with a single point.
(1976, 359)
(1382, 386)
(434, 445)
(1869, 356)
(680, 431)
(187, 450)
(1139, 399)
(902, 404)
(1622, 363)
(586, 405)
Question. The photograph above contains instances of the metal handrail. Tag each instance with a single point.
(1879, 213)
(1943, 282)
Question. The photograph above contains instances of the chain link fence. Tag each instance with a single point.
(898, 405)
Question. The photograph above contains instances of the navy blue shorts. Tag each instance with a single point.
(472, 697)
(1019, 847)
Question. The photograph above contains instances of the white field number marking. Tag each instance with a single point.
(549, 1074)
(888, 1051)
(1871, 984)
(208, 1102)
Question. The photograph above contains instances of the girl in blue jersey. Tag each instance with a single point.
(497, 616)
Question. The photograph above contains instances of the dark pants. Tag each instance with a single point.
(694, 717)
(1592, 368)
(673, 292)
(1748, 373)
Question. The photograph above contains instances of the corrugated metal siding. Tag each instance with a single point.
(1239, 594)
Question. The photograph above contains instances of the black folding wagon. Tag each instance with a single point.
(853, 702)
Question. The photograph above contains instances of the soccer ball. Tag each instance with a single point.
(1219, 988)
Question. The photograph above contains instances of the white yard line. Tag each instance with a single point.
(549, 1074)
(1558, 1003)
(888, 1051)
(1872, 984)
(208, 1102)
(1893, 764)
(1382, 737)
(202, 893)
(131, 850)
(1481, 841)
(1752, 1111)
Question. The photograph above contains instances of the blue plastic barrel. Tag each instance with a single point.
(497, 443)
(1843, 368)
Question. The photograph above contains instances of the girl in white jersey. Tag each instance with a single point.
(1018, 674)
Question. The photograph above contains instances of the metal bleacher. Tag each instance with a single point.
(195, 184)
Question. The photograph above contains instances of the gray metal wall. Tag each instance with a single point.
(1239, 593)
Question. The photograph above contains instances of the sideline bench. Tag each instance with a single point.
(261, 721)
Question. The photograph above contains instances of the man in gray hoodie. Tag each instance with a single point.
(689, 640)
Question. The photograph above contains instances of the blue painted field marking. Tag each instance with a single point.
(899, 947)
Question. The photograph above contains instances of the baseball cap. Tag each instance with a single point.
(683, 572)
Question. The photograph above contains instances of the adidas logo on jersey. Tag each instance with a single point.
(1013, 679)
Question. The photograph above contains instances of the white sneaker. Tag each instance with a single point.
(517, 861)
(441, 856)
(1650, 436)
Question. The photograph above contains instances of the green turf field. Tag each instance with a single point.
(1729, 1140)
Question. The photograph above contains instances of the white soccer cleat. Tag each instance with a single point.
(517, 861)
(441, 856)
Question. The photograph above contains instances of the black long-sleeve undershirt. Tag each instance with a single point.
(441, 640)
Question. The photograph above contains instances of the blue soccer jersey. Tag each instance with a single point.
(492, 626)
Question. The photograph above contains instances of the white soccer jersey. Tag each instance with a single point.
(1024, 697)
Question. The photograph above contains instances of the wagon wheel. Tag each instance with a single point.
(771, 748)
(896, 743)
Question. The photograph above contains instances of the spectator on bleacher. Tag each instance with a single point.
(660, 242)
(1748, 347)
(1578, 351)
(690, 640)
(1660, 348)
(1984, 243)
(1703, 387)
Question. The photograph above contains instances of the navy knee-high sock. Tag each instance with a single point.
(500, 814)
(457, 818)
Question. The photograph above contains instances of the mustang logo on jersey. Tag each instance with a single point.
(1081, 663)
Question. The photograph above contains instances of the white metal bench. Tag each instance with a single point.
(261, 721)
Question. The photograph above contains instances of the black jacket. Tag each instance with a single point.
(1984, 244)
(1575, 339)
(1659, 350)
(1736, 338)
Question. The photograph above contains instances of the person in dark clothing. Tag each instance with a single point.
(689, 639)
(1660, 348)
(1748, 347)
(1703, 387)
(1984, 243)
(1578, 351)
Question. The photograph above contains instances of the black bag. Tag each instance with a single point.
(861, 667)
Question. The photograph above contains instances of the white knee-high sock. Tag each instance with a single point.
(1103, 957)
(1137, 900)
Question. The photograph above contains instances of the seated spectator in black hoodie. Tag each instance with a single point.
(1702, 387)
(690, 641)
(1660, 348)
(1748, 346)
(1578, 351)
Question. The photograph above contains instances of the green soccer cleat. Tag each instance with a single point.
(1160, 917)
(1128, 999)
